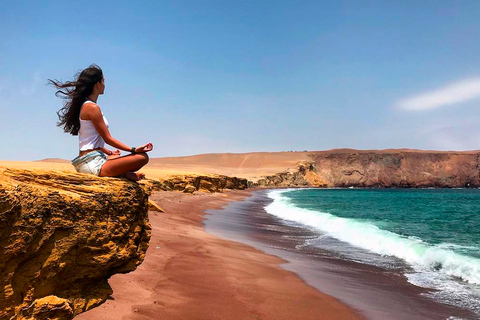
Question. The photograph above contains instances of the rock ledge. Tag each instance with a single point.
(62, 235)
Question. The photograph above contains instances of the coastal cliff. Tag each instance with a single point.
(62, 235)
(381, 169)
(303, 175)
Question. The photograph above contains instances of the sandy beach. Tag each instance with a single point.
(194, 274)
(190, 274)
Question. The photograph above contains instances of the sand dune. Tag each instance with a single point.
(55, 160)
(245, 165)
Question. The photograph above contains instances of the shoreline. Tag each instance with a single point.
(376, 292)
(189, 273)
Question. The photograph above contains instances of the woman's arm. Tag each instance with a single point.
(94, 113)
(106, 151)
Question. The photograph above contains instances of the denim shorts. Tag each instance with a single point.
(91, 162)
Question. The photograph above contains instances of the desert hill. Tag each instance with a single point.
(54, 160)
(252, 166)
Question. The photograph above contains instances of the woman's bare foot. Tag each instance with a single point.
(134, 176)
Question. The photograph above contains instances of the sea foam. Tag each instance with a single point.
(423, 257)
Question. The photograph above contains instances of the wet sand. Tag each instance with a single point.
(191, 274)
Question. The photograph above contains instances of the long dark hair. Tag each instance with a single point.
(75, 93)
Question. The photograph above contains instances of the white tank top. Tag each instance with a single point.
(88, 136)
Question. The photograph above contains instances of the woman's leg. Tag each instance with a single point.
(118, 166)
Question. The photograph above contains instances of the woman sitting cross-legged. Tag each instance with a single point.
(82, 116)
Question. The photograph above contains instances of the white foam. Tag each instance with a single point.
(420, 255)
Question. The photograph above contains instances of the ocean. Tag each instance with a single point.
(389, 253)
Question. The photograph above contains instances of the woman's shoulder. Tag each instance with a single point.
(89, 106)
(90, 103)
(89, 109)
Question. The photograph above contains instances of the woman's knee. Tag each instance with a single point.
(144, 158)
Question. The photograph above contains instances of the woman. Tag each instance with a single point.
(82, 116)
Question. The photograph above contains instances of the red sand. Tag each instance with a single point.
(190, 274)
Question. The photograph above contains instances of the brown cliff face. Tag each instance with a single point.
(303, 175)
(399, 169)
(384, 169)
(62, 235)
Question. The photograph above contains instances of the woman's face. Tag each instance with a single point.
(101, 86)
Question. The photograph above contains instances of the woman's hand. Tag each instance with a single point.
(145, 148)
(113, 154)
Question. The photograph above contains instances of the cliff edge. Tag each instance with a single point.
(62, 235)
(381, 169)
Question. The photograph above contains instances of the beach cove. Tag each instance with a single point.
(191, 274)
(240, 160)
(211, 256)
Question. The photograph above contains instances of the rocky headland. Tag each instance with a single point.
(381, 169)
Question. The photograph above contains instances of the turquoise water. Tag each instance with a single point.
(437, 216)
(434, 232)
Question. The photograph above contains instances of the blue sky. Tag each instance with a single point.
(238, 76)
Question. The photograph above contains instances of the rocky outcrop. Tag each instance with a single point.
(62, 235)
(382, 169)
(192, 183)
(303, 175)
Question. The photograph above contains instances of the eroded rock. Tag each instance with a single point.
(303, 175)
(192, 183)
(382, 169)
(62, 235)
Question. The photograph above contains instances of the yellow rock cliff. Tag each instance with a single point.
(62, 235)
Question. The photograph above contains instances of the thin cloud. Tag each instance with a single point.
(454, 93)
